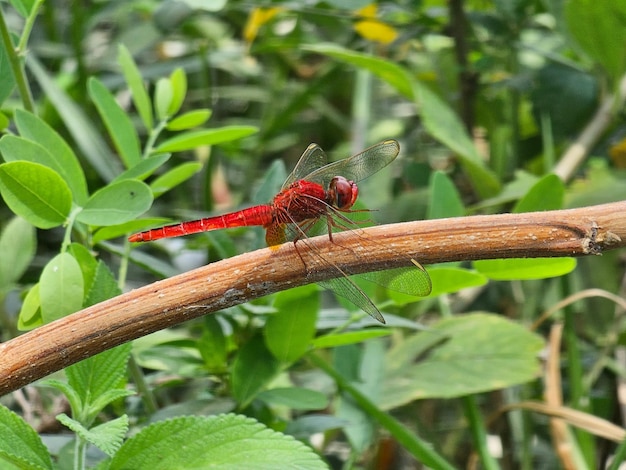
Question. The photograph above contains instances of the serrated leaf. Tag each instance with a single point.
(193, 139)
(178, 79)
(108, 437)
(30, 313)
(117, 203)
(103, 287)
(144, 168)
(36, 193)
(64, 160)
(135, 83)
(66, 389)
(174, 177)
(17, 249)
(459, 356)
(288, 332)
(253, 368)
(223, 442)
(295, 398)
(117, 122)
(20, 443)
(97, 375)
(61, 287)
(334, 340)
(525, 268)
(189, 120)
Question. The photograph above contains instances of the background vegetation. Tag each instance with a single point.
(120, 115)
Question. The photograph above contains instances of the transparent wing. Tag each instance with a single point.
(356, 167)
(312, 159)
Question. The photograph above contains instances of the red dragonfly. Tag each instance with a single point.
(316, 191)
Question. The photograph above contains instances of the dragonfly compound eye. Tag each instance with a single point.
(343, 192)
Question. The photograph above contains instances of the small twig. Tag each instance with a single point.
(575, 232)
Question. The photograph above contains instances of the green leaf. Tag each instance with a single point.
(189, 120)
(459, 356)
(447, 280)
(445, 200)
(288, 332)
(135, 83)
(191, 140)
(17, 249)
(30, 313)
(599, 28)
(117, 203)
(7, 84)
(546, 194)
(395, 75)
(144, 168)
(163, 98)
(117, 122)
(108, 437)
(88, 265)
(20, 444)
(23, 7)
(174, 177)
(178, 79)
(294, 398)
(59, 155)
(85, 134)
(212, 345)
(61, 287)
(524, 268)
(443, 124)
(253, 368)
(95, 378)
(351, 337)
(224, 442)
(103, 287)
(36, 193)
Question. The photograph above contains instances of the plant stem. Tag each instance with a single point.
(477, 427)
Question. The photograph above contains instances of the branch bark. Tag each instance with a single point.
(574, 232)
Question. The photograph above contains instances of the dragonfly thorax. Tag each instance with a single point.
(342, 193)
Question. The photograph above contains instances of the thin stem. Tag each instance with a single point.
(28, 27)
(477, 427)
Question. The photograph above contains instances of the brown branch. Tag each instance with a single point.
(574, 232)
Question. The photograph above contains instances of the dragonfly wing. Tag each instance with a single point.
(359, 166)
(312, 159)
(413, 281)
(275, 235)
(346, 288)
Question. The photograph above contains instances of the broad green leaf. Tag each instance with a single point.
(224, 442)
(351, 337)
(253, 369)
(445, 200)
(189, 120)
(20, 444)
(114, 231)
(213, 345)
(88, 137)
(448, 280)
(174, 177)
(137, 88)
(193, 139)
(117, 203)
(546, 194)
(524, 268)
(162, 98)
(144, 168)
(36, 193)
(4, 120)
(599, 28)
(443, 124)
(61, 287)
(88, 266)
(178, 79)
(288, 332)
(108, 436)
(458, 356)
(117, 122)
(17, 249)
(389, 71)
(62, 158)
(294, 398)
(30, 313)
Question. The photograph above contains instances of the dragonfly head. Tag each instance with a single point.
(342, 193)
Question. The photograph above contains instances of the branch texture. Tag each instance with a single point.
(574, 232)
